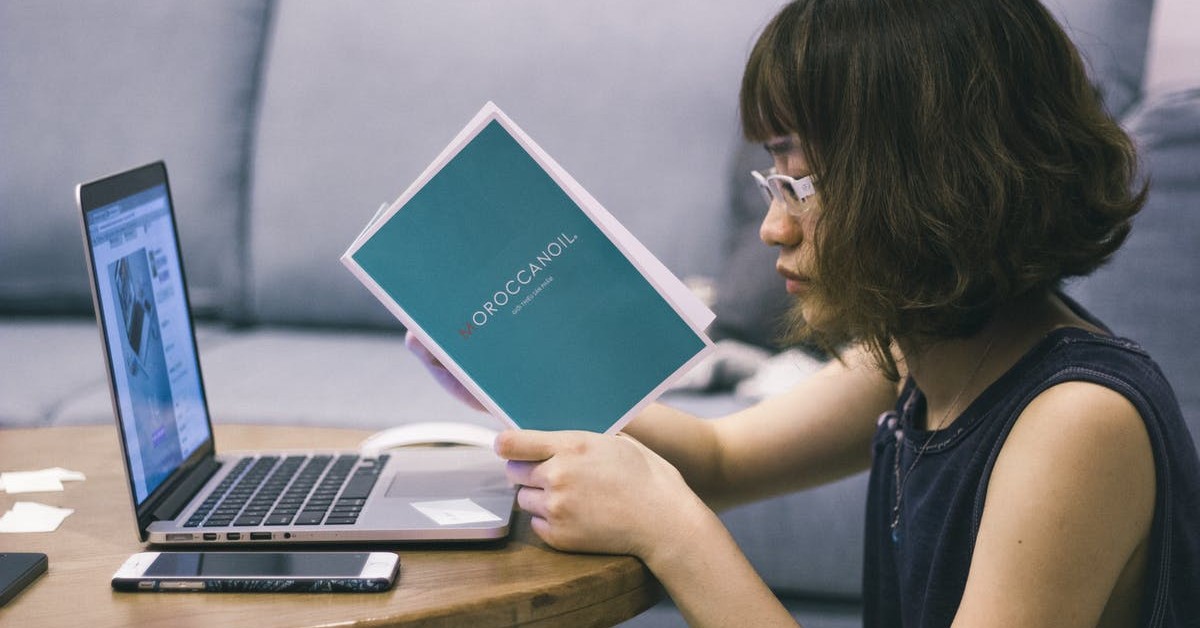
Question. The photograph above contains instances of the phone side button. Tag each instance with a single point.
(183, 585)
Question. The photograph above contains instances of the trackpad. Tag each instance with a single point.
(446, 484)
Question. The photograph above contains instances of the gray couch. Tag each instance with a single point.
(285, 124)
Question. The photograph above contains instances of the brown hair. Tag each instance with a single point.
(961, 156)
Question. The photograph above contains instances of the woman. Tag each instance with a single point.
(941, 166)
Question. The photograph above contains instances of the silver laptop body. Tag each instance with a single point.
(183, 491)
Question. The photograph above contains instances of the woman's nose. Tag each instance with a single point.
(779, 228)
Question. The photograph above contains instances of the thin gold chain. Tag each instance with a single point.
(941, 423)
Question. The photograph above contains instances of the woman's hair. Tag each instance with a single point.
(961, 156)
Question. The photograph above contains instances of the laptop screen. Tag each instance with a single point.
(155, 371)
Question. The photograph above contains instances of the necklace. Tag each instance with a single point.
(900, 482)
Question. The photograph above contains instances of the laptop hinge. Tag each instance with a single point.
(182, 493)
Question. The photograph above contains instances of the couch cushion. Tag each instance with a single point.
(49, 365)
(637, 100)
(1111, 35)
(1150, 291)
(43, 364)
(296, 377)
(87, 89)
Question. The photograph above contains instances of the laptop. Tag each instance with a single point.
(183, 490)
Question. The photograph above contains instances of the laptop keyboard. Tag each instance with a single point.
(290, 490)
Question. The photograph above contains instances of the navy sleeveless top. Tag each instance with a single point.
(916, 577)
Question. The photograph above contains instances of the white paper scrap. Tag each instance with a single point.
(455, 511)
(66, 475)
(43, 480)
(33, 517)
(31, 483)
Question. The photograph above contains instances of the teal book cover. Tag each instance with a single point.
(526, 289)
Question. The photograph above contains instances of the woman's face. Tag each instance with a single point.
(792, 233)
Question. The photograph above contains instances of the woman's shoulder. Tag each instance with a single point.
(1087, 411)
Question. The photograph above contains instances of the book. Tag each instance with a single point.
(533, 295)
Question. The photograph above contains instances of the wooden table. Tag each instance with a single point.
(521, 582)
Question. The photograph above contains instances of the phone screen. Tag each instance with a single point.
(252, 564)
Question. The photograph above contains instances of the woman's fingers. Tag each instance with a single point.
(419, 350)
(533, 501)
(521, 472)
(443, 377)
(533, 445)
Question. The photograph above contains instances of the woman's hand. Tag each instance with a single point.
(602, 494)
(443, 377)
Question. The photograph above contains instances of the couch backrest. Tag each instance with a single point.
(91, 88)
(1173, 58)
(1111, 36)
(637, 100)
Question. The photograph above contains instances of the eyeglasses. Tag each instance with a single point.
(795, 193)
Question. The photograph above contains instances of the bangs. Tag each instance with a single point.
(769, 103)
(766, 107)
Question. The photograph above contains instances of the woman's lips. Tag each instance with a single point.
(795, 283)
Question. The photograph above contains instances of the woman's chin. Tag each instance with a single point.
(813, 314)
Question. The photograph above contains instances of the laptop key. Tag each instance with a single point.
(310, 518)
(359, 486)
(336, 521)
(278, 520)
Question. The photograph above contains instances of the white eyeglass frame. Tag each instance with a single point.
(773, 185)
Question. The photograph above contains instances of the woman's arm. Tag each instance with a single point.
(817, 432)
(587, 492)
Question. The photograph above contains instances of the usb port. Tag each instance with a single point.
(210, 536)
(233, 536)
(260, 536)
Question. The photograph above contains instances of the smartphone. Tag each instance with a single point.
(17, 571)
(258, 571)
